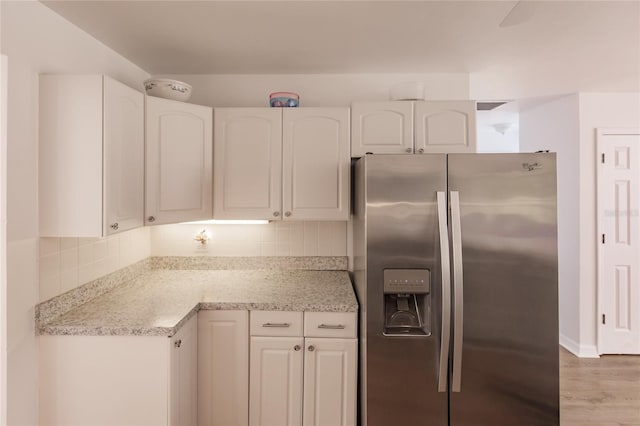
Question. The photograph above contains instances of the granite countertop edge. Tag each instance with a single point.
(159, 331)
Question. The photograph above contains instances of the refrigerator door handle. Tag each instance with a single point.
(457, 291)
(446, 291)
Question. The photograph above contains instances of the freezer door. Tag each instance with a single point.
(505, 372)
(400, 219)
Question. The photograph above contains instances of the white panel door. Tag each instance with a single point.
(316, 163)
(275, 381)
(223, 368)
(248, 163)
(183, 385)
(179, 162)
(445, 127)
(619, 251)
(123, 147)
(381, 128)
(330, 372)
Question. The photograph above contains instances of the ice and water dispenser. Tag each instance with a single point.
(407, 302)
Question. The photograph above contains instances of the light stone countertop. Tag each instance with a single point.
(158, 302)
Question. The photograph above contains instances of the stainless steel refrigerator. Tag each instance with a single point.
(455, 268)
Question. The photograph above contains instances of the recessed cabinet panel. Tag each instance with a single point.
(445, 127)
(183, 389)
(179, 162)
(248, 151)
(381, 128)
(316, 163)
(181, 137)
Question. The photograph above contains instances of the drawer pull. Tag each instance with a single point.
(332, 327)
(277, 324)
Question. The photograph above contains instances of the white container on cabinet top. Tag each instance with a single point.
(179, 161)
(281, 163)
(91, 156)
(408, 127)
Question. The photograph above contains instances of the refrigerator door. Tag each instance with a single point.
(505, 371)
(399, 220)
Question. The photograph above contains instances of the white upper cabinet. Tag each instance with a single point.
(91, 156)
(179, 161)
(273, 163)
(407, 127)
(381, 128)
(316, 163)
(247, 163)
(445, 126)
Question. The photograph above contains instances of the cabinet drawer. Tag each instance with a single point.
(330, 324)
(276, 323)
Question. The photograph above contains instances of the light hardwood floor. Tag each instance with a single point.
(602, 392)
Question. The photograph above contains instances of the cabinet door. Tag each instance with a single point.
(123, 157)
(316, 163)
(183, 385)
(275, 381)
(179, 162)
(330, 372)
(248, 163)
(223, 368)
(446, 126)
(381, 128)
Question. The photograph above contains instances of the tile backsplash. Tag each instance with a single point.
(66, 263)
(271, 239)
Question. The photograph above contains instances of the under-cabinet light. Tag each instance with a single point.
(227, 222)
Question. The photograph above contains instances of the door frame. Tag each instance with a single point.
(4, 68)
(602, 132)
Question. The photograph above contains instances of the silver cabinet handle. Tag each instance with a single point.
(177, 343)
(311, 348)
(446, 292)
(287, 214)
(296, 348)
(409, 150)
(276, 324)
(456, 238)
(331, 326)
(114, 226)
(276, 214)
(151, 219)
(421, 151)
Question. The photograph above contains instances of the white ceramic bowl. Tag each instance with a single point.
(168, 89)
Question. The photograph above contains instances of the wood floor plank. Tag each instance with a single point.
(599, 392)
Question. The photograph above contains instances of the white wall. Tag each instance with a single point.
(612, 110)
(316, 89)
(36, 40)
(272, 239)
(491, 137)
(553, 124)
(568, 126)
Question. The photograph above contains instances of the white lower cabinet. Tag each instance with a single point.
(330, 372)
(119, 380)
(296, 380)
(223, 368)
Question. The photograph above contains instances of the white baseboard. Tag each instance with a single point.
(581, 351)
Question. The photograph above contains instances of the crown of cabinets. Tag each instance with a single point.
(91, 156)
(178, 162)
(413, 127)
(281, 164)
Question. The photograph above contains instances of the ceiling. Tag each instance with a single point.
(313, 37)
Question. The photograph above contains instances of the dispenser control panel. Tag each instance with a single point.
(413, 281)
